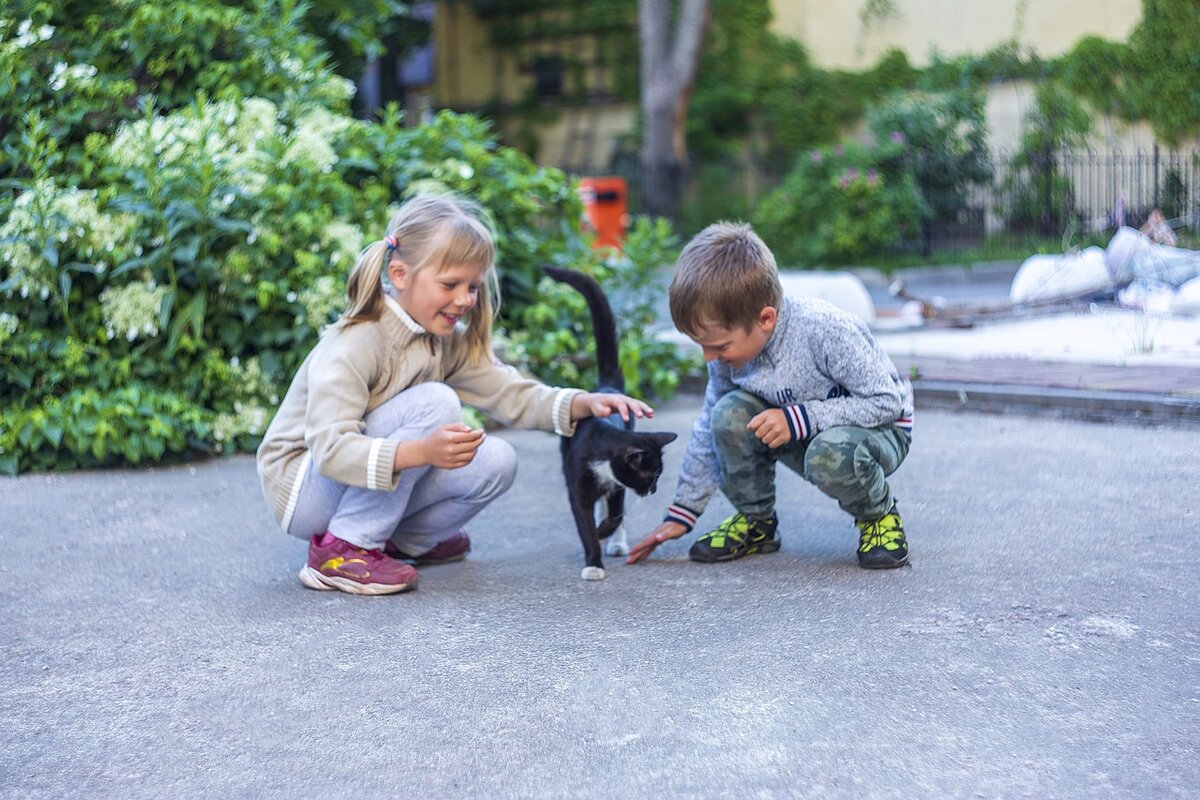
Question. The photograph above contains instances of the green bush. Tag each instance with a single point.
(161, 281)
(842, 203)
(946, 138)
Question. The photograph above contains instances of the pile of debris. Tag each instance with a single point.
(1140, 269)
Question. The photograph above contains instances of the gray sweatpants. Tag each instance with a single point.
(428, 504)
(847, 463)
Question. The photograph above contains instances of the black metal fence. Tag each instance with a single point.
(1066, 194)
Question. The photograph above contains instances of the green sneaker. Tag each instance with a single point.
(736, 537)
(881, 544)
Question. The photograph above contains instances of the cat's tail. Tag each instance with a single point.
(603, 323)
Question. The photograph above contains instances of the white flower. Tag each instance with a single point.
(345, 241)
(132, 308)
(309, 146)
(321, 300)
(8, 326)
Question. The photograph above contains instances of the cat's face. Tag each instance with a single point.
(639, 465)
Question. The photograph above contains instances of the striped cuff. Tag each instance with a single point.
(681, 514)
(798, 423)
(560, 413)
(381, 464)
(904, 423)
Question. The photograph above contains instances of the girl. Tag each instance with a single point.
(367, 457)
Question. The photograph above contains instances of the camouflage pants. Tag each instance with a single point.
(847, 463)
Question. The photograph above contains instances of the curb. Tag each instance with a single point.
(1047, 401)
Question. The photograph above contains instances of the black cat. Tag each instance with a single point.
(605, 456)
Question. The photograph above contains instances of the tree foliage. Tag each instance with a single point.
(1152, 77)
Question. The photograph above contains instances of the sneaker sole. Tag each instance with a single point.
(313, 579)
(885, 565)
(768, 546)
(421, 562)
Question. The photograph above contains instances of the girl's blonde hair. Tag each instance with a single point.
(436, 231)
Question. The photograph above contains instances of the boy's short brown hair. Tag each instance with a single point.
(725, 276)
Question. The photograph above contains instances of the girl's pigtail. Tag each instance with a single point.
(364, 288)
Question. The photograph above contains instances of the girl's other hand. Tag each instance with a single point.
(452, 446)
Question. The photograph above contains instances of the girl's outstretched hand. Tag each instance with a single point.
(664, 531)
(452, 446)
(602, 404)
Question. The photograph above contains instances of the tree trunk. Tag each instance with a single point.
(670, 55)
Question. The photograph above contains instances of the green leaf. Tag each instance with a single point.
(186, 253)
(9, 463)
(53, 433)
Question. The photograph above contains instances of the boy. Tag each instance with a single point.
(792, 380)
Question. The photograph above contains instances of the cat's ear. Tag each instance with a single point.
(662, 439)
(635, 457)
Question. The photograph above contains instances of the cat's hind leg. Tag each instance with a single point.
(618, 541)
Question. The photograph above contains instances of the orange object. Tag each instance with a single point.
(606, 209)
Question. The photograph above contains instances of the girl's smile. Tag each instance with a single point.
(437, 299)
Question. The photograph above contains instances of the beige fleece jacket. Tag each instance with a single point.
(352, 371)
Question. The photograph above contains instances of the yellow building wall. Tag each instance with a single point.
(470, 73)
(836, 38)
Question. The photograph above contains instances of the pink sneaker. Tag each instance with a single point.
(453, 548)
(334, 564)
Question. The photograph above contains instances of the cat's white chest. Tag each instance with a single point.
(604, 475)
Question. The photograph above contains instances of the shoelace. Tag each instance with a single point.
(877, 535)
(728, 529)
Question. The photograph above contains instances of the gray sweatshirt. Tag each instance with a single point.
(821, 366)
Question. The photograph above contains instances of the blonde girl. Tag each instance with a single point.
(367, 457)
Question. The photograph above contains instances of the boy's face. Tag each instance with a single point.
(736, 347)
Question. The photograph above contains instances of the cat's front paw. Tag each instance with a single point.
(592, 573)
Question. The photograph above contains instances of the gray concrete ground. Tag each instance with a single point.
(1044, 643)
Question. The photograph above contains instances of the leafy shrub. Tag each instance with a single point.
(162, 279)
(87, 67)
(946, 140)
(842, 203)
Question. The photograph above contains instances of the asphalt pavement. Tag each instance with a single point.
(1044, 642)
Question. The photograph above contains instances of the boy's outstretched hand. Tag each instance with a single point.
(665, 530)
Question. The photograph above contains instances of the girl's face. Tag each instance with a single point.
(436, 300)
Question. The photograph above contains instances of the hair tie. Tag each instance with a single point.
(390, 241)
